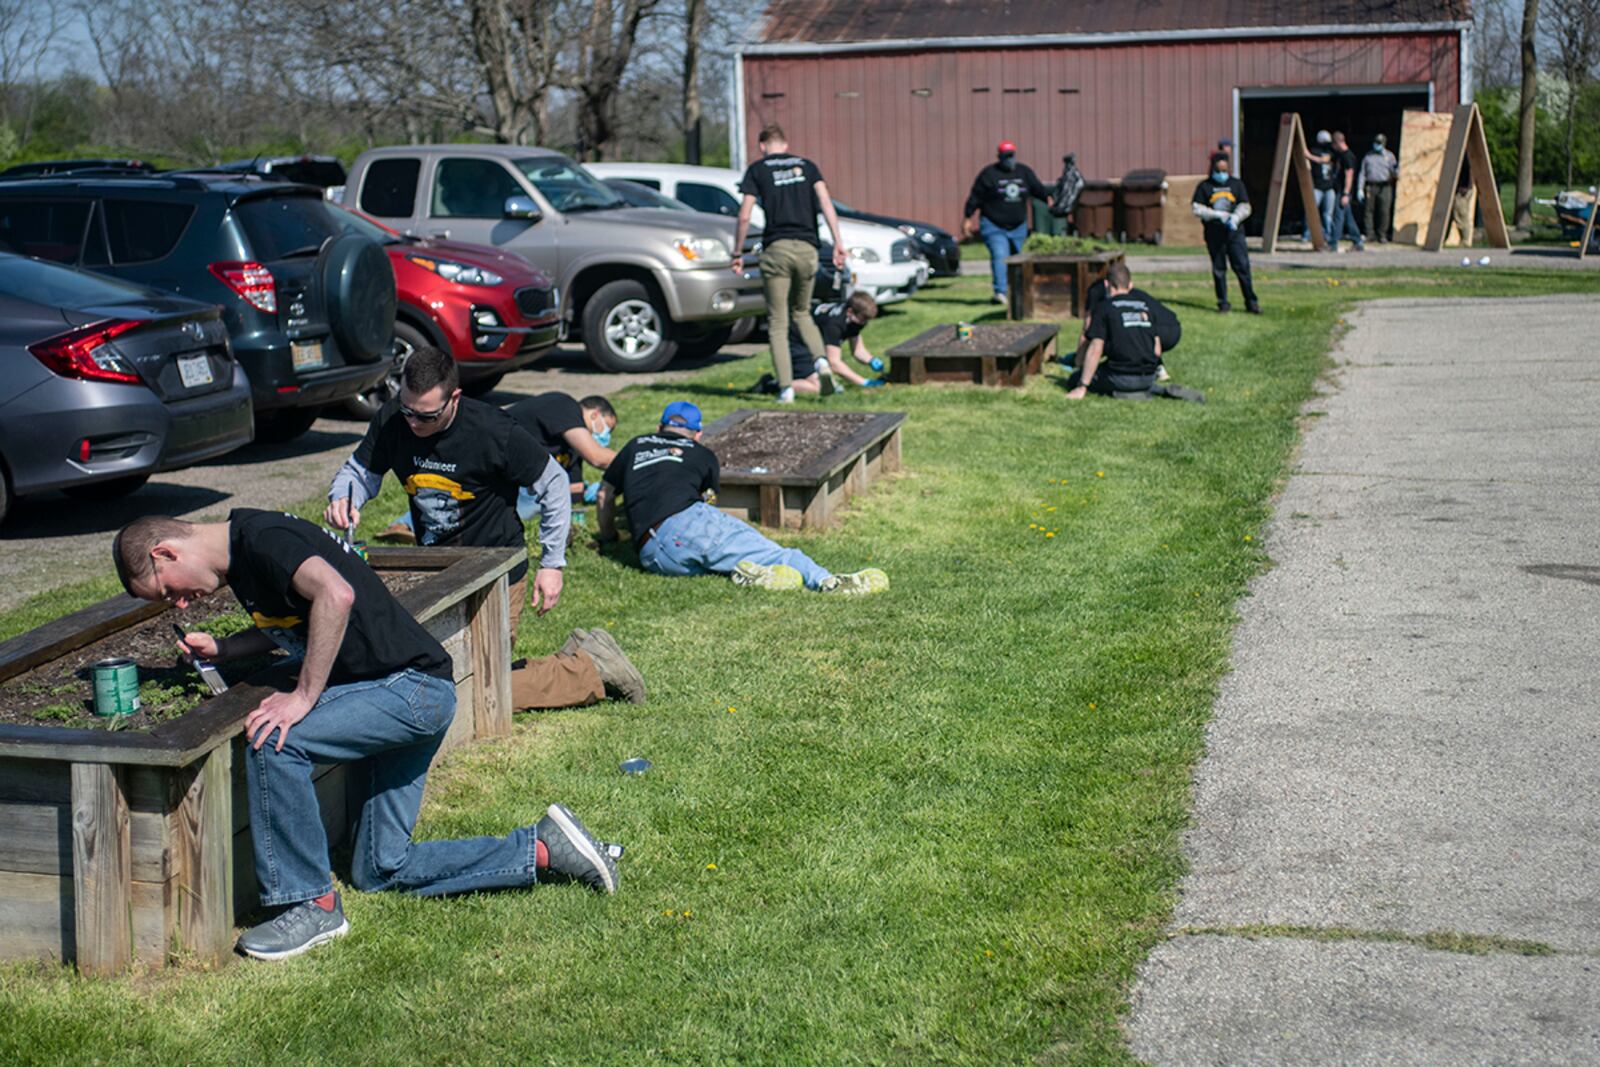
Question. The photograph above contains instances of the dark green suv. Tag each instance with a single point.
(309, 306)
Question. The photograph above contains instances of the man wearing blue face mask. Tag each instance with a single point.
(1221, 203)
(575, 432)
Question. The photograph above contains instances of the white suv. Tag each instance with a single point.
(884, 261)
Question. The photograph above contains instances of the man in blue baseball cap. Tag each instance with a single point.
(667, 480)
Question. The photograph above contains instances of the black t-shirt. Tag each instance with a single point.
(1344, 163)
(786, 187)
(1225, 196)
(660, 474)
(547, 417)
(832, 322)
(1168, 329)
(1127, 325)
(265, 548)
(462, 481)
(1002, 195)
(1323, 174)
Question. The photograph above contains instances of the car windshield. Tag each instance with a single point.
(62, 287)
(567, 186)
(636, 195)
(356, 223)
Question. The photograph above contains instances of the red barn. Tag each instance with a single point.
(902, 101)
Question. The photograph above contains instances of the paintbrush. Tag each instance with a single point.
(205, 668)
(350, 512)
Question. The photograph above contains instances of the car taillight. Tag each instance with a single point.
(85, 353)
(251, 281)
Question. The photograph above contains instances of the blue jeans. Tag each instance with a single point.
(1002, 243)
(702, 540)
(386, 731)
(1344, 224)
(1327, 200)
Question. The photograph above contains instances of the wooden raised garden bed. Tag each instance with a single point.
(132, 843)
(1045, 286)
(999, 354)
(797, 468)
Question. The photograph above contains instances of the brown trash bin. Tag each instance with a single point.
(1143, 194)
(1095, 213)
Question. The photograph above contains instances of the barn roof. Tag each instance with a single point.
(865, 23)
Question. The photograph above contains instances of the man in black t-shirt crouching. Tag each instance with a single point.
(665, 479)
(1123, 356)
(837, 322)
(464, 464)
(374, 691)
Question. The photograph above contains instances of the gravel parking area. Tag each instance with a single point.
(52, 539)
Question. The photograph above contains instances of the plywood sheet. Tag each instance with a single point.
(1179, 227)
(1423, 137)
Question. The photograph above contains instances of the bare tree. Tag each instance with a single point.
(604, 45)
(1494, 44)
(1574, 27)
(694, 28)
(1522, 217)
(27, 28)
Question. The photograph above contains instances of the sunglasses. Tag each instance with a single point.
(425, 416)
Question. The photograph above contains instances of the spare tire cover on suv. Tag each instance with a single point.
(358, 287)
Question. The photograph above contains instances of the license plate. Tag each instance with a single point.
(307, 355)
(195, 371)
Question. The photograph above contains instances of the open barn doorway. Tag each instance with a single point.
(1362, 112)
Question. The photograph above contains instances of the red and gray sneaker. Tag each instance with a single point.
(573, 853)
(296, 929)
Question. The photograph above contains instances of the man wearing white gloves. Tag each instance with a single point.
(1222, 204)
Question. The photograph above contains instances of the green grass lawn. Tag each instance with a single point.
(937, 825)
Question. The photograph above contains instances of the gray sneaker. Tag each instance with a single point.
(298, 929)
(620, 676)
(573, 852)
(825, 383)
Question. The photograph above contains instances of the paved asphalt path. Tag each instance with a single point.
(1409, 740)
(51, 540)
(1291, 255)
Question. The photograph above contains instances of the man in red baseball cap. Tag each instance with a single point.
(1000, 197)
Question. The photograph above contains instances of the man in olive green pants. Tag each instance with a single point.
(792, 192)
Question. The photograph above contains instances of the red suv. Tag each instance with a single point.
(492, 310)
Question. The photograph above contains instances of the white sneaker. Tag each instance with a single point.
(825, 383)
(1161, 373)
(786, 396)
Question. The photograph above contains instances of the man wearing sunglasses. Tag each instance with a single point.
(462, 462)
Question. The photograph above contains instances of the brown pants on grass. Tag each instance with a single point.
(552, 681)
(788, 273)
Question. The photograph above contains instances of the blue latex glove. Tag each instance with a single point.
(873, 383)
(1233, 223)
(876, 364)
(591, 492)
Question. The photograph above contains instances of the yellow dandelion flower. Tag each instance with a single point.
(1247, 537)
(1051, 508)
(1091, 706)
(733, 711)
(1049, 535)
(1099, 474)
(711, 866)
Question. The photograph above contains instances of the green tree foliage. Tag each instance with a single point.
(1499, 108)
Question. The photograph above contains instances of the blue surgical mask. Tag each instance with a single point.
(603, 438)
(1220, 177)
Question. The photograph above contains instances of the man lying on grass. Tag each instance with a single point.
(463, 463)
(1124, 351)
(665, 478)
(375, 691)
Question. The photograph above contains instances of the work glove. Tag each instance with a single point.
(872, 383)
(876, 364)
(591, 492)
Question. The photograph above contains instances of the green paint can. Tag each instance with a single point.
(963, 331)
(116, 687)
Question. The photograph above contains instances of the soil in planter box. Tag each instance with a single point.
(987, 340)
(61, 692)
(784, 442)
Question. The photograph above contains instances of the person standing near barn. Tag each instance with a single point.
(792, 193)
(1221, 203)
(1000, 197)
(1375, 186)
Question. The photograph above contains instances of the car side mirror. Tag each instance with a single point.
(522, 207)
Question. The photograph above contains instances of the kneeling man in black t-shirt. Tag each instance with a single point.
(1123, 355)
(375, 690)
